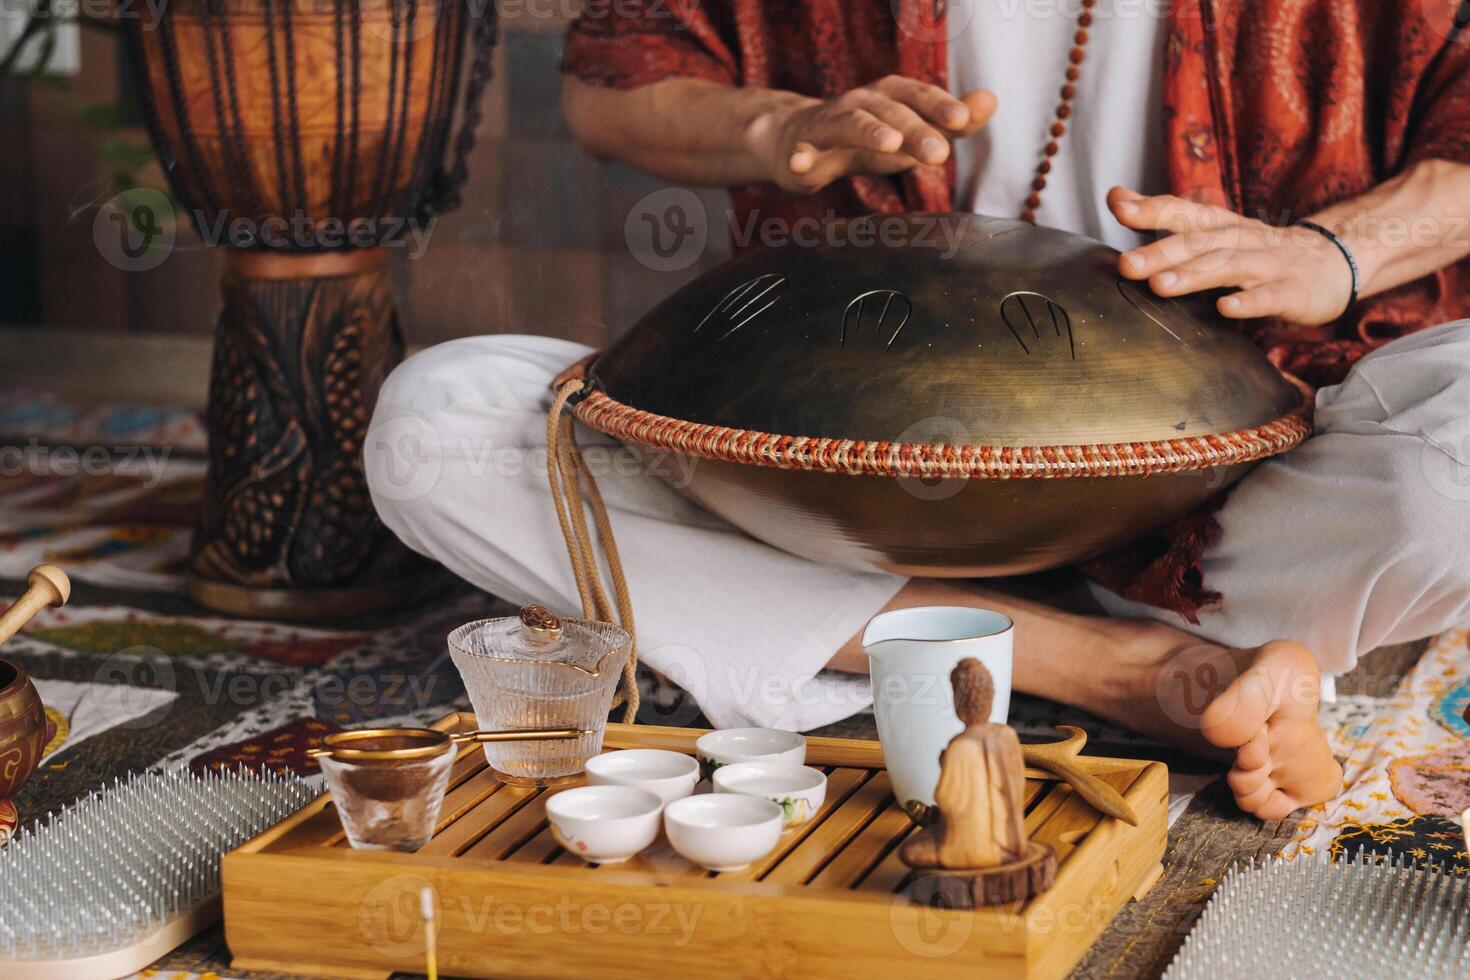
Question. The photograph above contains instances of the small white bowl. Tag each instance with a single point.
(668, 775)
(797, 790)
(723, 831)
(604, 824)
(716, 749)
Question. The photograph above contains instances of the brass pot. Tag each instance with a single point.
(22, 729)
(941, 394)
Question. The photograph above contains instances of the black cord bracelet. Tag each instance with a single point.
(1347, 253)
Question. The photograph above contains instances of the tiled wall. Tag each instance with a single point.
(537, 246)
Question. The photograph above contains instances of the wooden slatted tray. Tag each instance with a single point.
(827, 902)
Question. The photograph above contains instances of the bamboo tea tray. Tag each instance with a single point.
(828, 902)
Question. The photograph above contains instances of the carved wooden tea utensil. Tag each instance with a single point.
(407, 744)
(1060, 759)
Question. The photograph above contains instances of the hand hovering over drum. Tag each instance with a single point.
(692, 131)
(1292, 273)
(885, 127)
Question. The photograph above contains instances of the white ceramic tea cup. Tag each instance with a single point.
(723, 831)
(911, 653)
(668, 775)
(720, 748)
(604, 824)
(798, 790)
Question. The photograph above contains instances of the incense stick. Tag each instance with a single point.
(431, 952)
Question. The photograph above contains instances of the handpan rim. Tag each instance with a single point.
(600, 411)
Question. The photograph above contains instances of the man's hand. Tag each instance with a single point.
(883, 128)
(1292, 273)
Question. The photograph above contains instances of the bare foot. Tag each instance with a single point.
(1258, 706)
(1269, 717)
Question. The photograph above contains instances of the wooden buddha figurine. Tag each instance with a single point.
(979, 803)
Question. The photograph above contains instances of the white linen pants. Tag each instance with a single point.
(1358, 538)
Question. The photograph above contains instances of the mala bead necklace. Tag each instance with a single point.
(1075, 57)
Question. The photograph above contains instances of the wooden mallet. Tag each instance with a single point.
(49, 586)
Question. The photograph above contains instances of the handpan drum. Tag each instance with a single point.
(942, 395)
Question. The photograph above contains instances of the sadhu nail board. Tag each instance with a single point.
(829, 901)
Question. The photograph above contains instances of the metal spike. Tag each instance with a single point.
(119, 864)
(1364, 917)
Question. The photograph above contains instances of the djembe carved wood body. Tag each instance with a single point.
(309, 137)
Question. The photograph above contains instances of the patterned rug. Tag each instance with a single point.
(134, 676)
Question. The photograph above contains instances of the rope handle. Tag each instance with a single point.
(570, 480)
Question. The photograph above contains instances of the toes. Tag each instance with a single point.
(1258, 797)
(1249, 782)
(1278, 806)
(1303, 761)
(1255, 754)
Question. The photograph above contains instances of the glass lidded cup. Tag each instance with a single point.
(538, 670)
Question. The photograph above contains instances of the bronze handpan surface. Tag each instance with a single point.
(957, 330)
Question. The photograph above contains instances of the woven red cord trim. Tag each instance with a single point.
(937, 460)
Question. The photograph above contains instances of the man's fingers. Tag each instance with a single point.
(1272, 299)
(920, 140)
(884, 163)
(845, 124)
(1212, 270)
(803, 158)
(1166, 212)
(1167, 253)
(982, 106)
(930, 101)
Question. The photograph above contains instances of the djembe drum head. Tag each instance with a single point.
(942, 394)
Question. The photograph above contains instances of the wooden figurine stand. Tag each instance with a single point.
(973, 850)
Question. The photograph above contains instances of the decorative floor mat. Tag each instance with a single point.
(1406, 765)
(109, 493)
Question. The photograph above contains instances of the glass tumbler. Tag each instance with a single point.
(389, 805)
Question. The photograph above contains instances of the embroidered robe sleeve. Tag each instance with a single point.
(627, 43)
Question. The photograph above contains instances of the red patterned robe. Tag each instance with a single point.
(1277, 108)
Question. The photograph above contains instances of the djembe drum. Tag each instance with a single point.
(308, 137)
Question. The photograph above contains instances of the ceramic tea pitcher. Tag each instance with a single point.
(911, 653)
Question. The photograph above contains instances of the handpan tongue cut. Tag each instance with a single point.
(941, 394)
